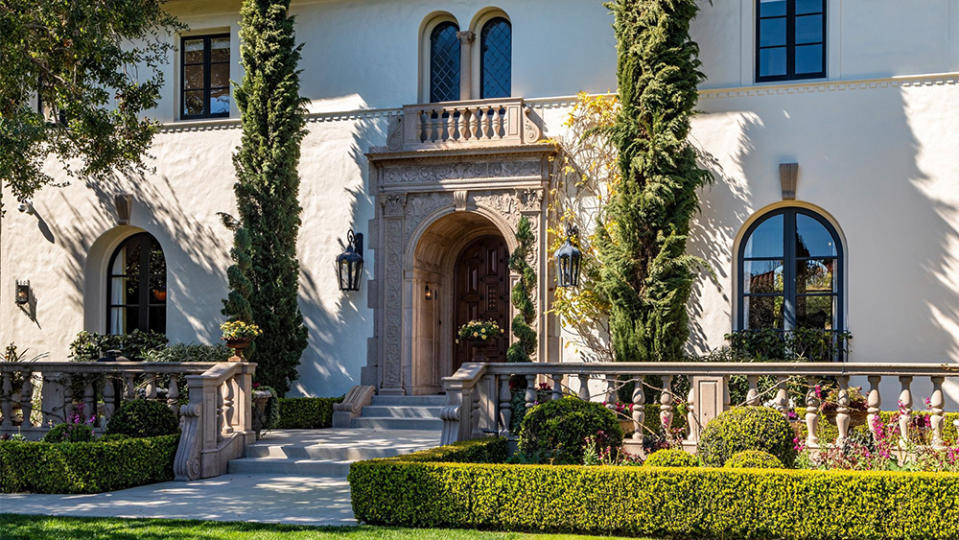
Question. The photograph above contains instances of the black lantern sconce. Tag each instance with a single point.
(568, 258)
(428, 294)
(23, 292)
(350, 263)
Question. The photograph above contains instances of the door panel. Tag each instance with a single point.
(480, 292)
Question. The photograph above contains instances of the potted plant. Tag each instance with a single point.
(238, 335)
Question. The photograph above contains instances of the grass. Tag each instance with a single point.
(14, 526)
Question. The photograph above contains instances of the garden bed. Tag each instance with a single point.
(427, 490)
(85, 467)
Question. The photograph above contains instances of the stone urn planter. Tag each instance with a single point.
(238, 346)
(264, 403)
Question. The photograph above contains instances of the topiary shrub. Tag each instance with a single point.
(554, 431)
(753, 459)
(746, 428)
(69, 433)
(143, 418)
(671, 457)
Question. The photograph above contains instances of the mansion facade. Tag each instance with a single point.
(829, 127)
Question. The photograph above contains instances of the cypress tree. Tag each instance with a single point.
(646, 274)
(237, 305)
(521, 296)
(273, 117)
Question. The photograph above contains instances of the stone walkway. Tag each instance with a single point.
(303, 500)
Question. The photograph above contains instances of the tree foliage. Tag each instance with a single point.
(95, 68)
(521, 296)
(646, 274)
(273, 117)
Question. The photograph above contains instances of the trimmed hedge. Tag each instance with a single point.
(143, 418)
(753, 459)
(746, 428)
(668, 502)
(306, 412)
(85, 467)
(554, 431)
(671, 457)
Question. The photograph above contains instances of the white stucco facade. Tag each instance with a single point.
(875, 141)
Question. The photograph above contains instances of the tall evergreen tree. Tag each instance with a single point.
(647, 275)
(273, 117)
(521, 296)
(237, 305)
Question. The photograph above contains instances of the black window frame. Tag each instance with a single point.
(483, 35)
(207, 63)
(143, 302)
(459, 67)
(790, 45)
(789, 259)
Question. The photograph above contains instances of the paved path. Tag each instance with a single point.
(303, 500)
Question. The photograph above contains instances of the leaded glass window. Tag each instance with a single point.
(136, 287)
(496, 58)
(444, 63)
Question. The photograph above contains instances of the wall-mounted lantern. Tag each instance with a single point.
(23, 292)
(568, 258)
(350, 263)
(428, 294)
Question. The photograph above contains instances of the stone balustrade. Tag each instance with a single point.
(215, 408)
(479, 396)
(457, 123)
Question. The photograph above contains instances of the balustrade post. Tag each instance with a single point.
(219, 411)
(666, 405)
(505, 406)
(842, 410)
(936, 404)
(639, 411)
(109, 402)
(752, 396)
(52, 398)
(584, 386)
(26, 399)
(874, 406)
(151, 387)
(557, 386)
(812, 413)
(229, 416)
(173, 395)
(474, 126)
(129, 389)
(530, 391)
(611, 397)
(782, 396)
(6, 400)
(89, 401)
(905, 409)
(691, 420)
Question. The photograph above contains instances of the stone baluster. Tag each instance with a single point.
(89, 401)
(219, 410)
(229, 411)
(530, 391)
(422, 125)
(52, 398)
(26, 399)
(557, 386)
(782, 396)
(936, 404)
(905, 409)
(583, 386)
(874, 404)
(475, 124)
(436, 130)
(151, 386)
(129, 389)
(505, 406)
(488, 122)
(752, 396)
(691, 420)
(639, 411)
(456, 120)
(173, 395)
(812, 413)
(109, 401)
(842, 410)
(611, 397)
(446, 127)
(666, 405)
(6, 400)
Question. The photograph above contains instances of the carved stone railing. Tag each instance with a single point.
(459, 123)
(479, 397)
(216, 419)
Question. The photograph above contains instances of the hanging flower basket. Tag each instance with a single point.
(477, 332)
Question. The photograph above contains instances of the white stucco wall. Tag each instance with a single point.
(877, 156)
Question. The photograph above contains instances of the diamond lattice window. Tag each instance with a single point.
(444, 63)
(497, 53)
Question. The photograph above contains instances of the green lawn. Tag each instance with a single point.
(62, 528)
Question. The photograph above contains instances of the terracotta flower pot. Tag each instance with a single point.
(238, 345)
(159, 295)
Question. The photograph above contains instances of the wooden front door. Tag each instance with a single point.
(481, 292)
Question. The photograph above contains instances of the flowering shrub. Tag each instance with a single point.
(239, 330)
(478, 331)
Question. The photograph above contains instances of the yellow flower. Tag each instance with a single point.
(475, 334)
(484, 337)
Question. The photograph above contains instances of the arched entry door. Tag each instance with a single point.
(481, 292)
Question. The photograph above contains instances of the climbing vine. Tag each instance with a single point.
(521, 296)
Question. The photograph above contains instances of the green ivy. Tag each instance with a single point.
(522, 296)
(85, 467)
(306, 412)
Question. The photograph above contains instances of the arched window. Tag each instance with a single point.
(791, 264)
(496, 58)
(444, 62)
(136, 288)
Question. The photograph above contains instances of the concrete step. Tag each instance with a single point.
(299, 467)
(391, 423)
(410, 401)
(401, 411)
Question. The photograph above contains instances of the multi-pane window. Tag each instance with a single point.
(496, 40)
(790, 264)
(205, 77)
(790, 40)
(444, 63)
(136, 288)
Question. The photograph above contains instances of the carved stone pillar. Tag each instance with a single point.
(466, 63)
(391, 275)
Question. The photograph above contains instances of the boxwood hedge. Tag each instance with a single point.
(640, 501)
(85, 467)
(306, 412)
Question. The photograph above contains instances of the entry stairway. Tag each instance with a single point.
(389, 426)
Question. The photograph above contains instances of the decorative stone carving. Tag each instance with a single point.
(421, 205)
(530, 200)
(394, 140)
(394, 205)
(439, 173)
(531, 131)
(459, 200)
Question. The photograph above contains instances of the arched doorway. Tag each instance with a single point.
(136, 286)
(481, 293)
